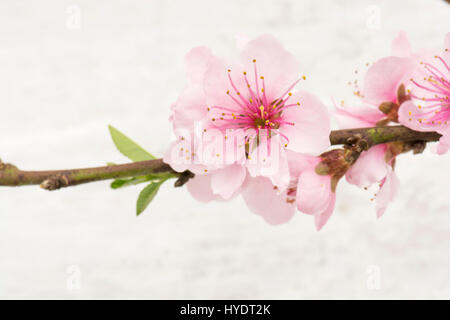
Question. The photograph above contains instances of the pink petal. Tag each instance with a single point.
(371, 167)
(273, 165)
(313, 192)
(200, 188)
(263, 200)
(241, 40)
(400, 46)
(412, 117)
(387, 192)
(447, 46)
(216, 83)
(279, 67)
(189, 108)
(225, 182)
(298, 163)
(196, 63)
(179, 154)
(357, 117)
(444, 142)
(322, 218)
(310, 133)
(383, 78)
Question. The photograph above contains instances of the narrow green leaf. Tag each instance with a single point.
(128, 147)
(146, 196)
(120, 183)
(125, 182)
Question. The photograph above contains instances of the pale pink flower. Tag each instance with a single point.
(251, 101)
(383, 78)
(381, 88)
(373, 165)
(430, 90)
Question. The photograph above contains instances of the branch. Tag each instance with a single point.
(10, 175)
(379, 135)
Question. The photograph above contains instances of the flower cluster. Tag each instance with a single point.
(243, 129)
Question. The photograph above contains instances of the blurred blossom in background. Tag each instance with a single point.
(70, 68)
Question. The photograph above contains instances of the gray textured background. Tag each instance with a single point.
(62, 82)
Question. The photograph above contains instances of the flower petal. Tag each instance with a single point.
(322, 218)
(189, 108)
(387, 192)
(384, 77)
(357, 117)
(196, 63)
(263, 200)
(298, 163)
(200, 188)
(370, 168)
(411, 116)
(310, 133)
(447, 48)
(400, 46)
(225, 182)
(313, 192)
(271, 164)
(279, 67)
(444, 142)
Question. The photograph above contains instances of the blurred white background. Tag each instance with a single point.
(70, 68)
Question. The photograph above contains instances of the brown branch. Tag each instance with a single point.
(378, 135)
(10, 175)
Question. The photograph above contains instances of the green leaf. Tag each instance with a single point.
(125, 182)
(146, 196)
(119, 183)
(128, 147)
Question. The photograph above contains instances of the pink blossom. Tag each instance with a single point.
(250, 101)
(384, 77)
(373, 166)
(430, 91)
(382, 83)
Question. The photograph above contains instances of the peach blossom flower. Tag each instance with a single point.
(249, 103)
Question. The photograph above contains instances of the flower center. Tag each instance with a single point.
(253, 110)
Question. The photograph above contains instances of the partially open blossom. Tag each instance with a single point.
(383, 94)
(429, 109)
(248, 104)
